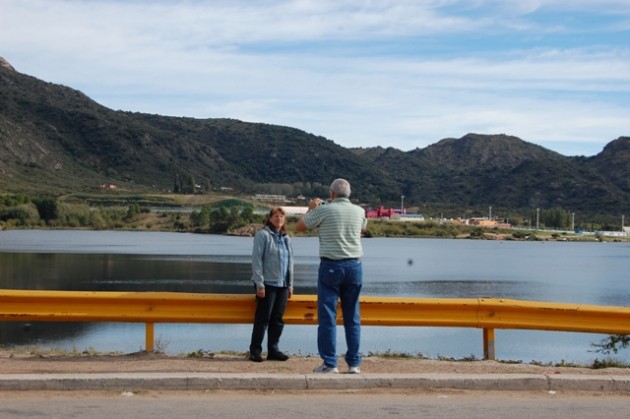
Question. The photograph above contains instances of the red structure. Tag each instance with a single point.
(382, 212)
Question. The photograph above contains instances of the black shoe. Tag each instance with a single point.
(277, 356)
(255, 358)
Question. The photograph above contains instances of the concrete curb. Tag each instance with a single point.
(238, 381)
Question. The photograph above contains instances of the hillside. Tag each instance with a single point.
(56, 140)
(613, 163)
(500, 170)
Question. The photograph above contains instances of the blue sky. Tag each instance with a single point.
(401, 74)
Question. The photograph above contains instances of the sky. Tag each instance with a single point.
(402, 74)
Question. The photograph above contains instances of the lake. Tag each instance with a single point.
(573, 272)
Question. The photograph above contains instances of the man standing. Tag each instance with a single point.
(340, 225)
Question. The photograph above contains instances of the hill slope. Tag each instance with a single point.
(54, 139)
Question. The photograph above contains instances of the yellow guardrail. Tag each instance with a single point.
(170, 307)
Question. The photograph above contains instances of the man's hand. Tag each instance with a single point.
(314, 203)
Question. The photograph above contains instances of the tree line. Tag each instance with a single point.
(19, 211)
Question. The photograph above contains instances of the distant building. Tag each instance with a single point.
(269, 198)
(409, 217)
(485, 222)
(613, 233)
(482, 222)
(108, 186)
(295, 210)
(382, 212)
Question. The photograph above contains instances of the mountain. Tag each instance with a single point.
(57, 140)
(486, 170)
(614, 163)
(503, 169)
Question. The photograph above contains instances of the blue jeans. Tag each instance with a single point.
(339, 280)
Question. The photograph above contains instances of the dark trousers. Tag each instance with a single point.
(269, 312)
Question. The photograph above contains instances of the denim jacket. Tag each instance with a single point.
(266, 259)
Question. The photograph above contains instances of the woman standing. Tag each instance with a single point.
(272, 267)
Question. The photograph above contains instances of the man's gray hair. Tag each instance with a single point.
(341, 188)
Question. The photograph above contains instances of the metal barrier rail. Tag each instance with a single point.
(170, 307)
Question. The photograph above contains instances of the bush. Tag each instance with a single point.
(47, 208)
(612, 344)
(74, 215)
(477, 233)
(20, 215)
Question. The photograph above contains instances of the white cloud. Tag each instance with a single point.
(399, 73)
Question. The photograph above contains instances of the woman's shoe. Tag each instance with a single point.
(255, 357)
(277, 356)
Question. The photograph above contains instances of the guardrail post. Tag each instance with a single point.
(488, 344)
(150, 337)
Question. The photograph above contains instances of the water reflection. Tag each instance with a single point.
(590, 273)
(112, 272)
(454, 289)
(18, 334)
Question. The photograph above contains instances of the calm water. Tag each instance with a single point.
(586, 273)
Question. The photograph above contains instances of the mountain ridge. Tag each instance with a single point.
(57, 140)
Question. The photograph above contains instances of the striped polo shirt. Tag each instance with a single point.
(339, 224)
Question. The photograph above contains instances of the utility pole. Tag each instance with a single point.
(572, 221)
(489, 213)
(537, 217)
(622, 220)
(402, 204)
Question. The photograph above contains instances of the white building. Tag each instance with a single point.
(295, 210)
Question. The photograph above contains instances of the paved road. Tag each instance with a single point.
(304, 405)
